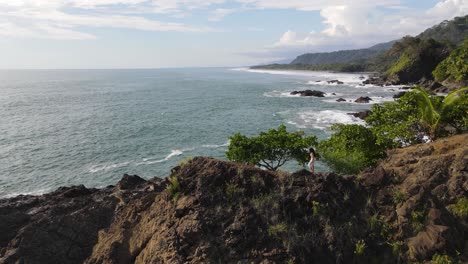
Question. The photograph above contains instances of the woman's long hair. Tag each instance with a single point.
(311, 150)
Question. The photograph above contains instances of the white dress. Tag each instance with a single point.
(311, 163)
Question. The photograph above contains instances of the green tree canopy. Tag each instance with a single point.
(455, 66)
(271, 149)
(351, 148)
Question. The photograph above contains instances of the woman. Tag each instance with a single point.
(312, 159)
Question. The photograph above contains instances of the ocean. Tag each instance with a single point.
(70, 127)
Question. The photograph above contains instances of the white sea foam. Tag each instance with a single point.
(375, 100)
(173, 153)
(285, 94)
(37, 192)
(277, 93)
(216, 146)
(106, 167)
(317, 75)
(323, 119)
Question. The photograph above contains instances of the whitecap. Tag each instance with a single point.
(216, 146)
(280, 94)
(173, 153)
(323, 119)
(35, 193)
(97, 168)
(375, 100)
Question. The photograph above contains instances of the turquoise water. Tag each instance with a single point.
(65, 127)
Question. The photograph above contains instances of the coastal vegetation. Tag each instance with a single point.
(416, 117)
(350, 148)
(271, 149)
(455, 66)
(439, 53)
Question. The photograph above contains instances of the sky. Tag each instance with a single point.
(95, 34)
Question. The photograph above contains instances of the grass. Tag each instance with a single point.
(318, 209)
(396, 247)
(174, 188)
(399, 197)
(277, 230)
(185, 161)
(418, 220)
(443, 259)
(359, 248)
(460, 208)
(231, 191)
(379, 226)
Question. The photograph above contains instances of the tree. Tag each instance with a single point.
(416, 115)
(351, 148)
(455, 66)
(434, 115)
(271, 149)
(396, 124)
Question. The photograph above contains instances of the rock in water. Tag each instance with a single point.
(341, 100)
(363, 100)
(335, 81)
(362, 115)
(399, 95)
(309, 93)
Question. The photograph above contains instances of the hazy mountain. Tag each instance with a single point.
(342, 56)
(453, 31)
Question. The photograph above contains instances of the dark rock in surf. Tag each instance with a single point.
(309, 93)
(362, 115)
(363, 100)
(399, 95)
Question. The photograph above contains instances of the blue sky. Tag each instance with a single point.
(201, 33)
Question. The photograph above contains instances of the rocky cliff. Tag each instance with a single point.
(410, 207)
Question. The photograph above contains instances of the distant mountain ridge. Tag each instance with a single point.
(342, 56)
(454, 31)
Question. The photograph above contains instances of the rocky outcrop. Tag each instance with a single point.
(363, 100)
(309, 93)
(335, 82)
(223, 212)
(399, 95)
(362, 114)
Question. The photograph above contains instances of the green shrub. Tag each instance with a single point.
(460, 208)
(396, 247)
(360, 246)
(185, 161)
(418, 221)
(350, 149)
(271, 149)
(455, 66)
(398, 197)
(443, 259)
(396, 124)
(174, 188)
(231, 191)
(319, 209)
(277, 230)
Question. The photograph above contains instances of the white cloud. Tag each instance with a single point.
(365, 25)
(220, 13)
(54, 19)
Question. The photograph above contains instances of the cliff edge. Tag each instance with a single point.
(410, 207)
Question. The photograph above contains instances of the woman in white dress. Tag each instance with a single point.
(312, 159)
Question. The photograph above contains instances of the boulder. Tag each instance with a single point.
(341, 100)
(309, 93)
(335, 81)
(363, 100)
(399, 95)
(362, 115)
